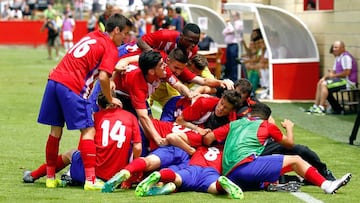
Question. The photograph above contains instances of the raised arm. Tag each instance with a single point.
(143, 45)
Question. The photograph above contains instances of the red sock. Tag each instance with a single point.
(51, 150)
(138, 165)
(219, 188)
(313, 176)
(41, 171)
(88, 155)
(286, 170)
(167, 175)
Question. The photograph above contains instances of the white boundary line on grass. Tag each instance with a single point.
(306, 197)
(300, 195)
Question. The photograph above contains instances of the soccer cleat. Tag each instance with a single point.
(69, 181)
(53, 183)
(332, 186)
(161, 190)
(231, 188)
(96, 185)
(27, 178)
(115, 181)
(144, 186)
(291, 186)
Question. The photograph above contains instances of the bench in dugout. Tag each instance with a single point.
(348, 100)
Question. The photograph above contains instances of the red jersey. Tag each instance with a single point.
(166, 127)
(116, 130)
(208, 157)
(186, 76)
(133, 84)
(165, 40)
(81, 64)
(200, 110)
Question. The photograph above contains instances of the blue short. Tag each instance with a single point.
(60, 105)
(169, 109)
(77, 171)
(172, 157)
(250, 176)
(197, 178)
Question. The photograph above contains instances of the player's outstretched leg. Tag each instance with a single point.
(115, 181)
(231, 188)
(144, 186)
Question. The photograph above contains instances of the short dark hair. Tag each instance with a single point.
(244, 84)
(199, 61)
(179, 55)
(260, 110)
(148, 60)
(191, 27)
(102, 101)
(117, 20)
(178, 10)
(232, 97)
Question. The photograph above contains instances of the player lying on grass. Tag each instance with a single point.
(244, 142)
(201, 175)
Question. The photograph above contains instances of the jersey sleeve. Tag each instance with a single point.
(267, 130)
(186, 76)
(220, 133)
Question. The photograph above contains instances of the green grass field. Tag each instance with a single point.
(23, 77)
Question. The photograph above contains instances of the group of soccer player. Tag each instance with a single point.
(205, 143)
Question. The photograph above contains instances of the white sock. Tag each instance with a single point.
(325, 184)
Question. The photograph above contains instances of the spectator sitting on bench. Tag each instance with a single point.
(343, 75)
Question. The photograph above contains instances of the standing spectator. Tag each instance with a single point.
(16, 14)
(160, 21)
(79, 8)
(67, 91)
(32, 7)
(233, 35)
(5, 15)
(68, 10)
(140, 24)
(50, 12)
(53, 38)
(205, 41)
(103, 17)
(27, 13)
(91, 23)
(178, 22)
(343, 75)
(68, 28)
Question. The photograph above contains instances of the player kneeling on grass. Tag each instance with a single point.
(117, 131)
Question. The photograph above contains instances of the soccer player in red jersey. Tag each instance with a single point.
(169, 39)
(117, 135)
(69, 85)
(245, 140)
